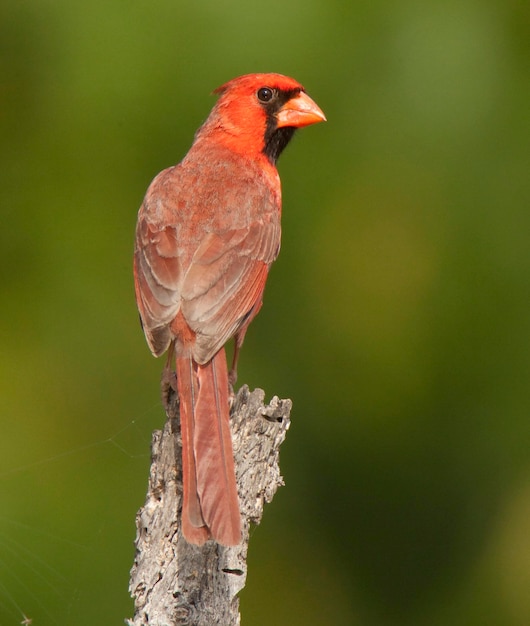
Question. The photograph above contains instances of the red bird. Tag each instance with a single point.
(207, 233)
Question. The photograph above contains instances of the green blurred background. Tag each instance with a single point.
(396, 317)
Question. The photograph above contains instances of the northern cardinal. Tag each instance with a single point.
(207, 233)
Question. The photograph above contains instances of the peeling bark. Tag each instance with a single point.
(173, 582)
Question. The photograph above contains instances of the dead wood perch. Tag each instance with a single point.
(175, 583)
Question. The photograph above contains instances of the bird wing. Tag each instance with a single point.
(158, 274)
(216, 286)
(225, 282)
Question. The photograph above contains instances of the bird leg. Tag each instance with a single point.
(232, 374)
(168, 382)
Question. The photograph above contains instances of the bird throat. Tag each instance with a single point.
(276, 139)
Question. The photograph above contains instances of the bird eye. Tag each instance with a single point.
(265, 94)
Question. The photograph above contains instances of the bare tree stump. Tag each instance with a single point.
(175, 583)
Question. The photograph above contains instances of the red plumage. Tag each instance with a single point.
(207, 233)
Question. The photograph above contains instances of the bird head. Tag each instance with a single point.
(258, 114)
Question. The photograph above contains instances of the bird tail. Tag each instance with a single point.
(210, 506)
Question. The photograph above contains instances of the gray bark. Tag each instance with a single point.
(175, 583)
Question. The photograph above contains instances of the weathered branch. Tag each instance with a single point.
(175, 583)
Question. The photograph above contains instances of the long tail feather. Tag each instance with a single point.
(193, 526)
(216, 480)
(210, 501)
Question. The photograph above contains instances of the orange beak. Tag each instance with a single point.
(299, 111)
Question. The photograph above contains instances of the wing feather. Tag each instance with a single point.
(220, 290)
(157, 272)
